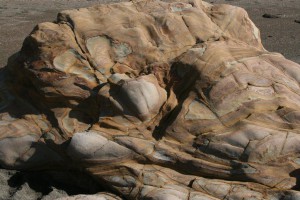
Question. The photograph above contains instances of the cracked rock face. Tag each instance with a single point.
(156, 100)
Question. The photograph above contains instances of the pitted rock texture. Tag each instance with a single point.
(156, 100)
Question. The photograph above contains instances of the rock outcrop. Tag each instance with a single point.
(155, 100)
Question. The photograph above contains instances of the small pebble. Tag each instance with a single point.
(270, 16)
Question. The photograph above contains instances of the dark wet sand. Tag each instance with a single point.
(18, 18)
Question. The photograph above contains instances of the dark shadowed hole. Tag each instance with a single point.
(183, 77)
(72, 182)
(296, 174)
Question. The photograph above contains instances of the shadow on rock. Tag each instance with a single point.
(296, 174)
(45, 182)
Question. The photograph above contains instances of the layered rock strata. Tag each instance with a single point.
(156, 100)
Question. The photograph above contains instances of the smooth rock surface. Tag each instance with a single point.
(155, 100)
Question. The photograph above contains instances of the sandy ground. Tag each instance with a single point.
(18, 18)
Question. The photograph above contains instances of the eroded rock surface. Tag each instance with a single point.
(156, 100)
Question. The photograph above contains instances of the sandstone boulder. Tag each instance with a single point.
(155, 100)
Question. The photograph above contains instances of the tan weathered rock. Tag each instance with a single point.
(156, 100)
(100, 196)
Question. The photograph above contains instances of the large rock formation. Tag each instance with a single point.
(156, 100)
